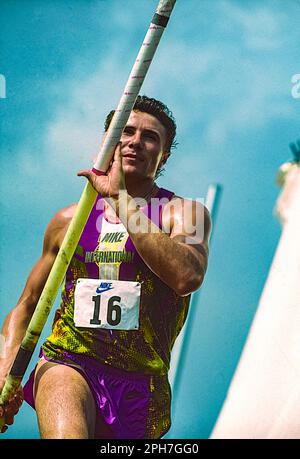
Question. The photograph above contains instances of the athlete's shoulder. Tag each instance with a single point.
(58, 226)
(195, 202)
(63, 216)
(176, 199)
(181, 212)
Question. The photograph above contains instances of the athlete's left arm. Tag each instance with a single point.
(177, 254)
(190, 229)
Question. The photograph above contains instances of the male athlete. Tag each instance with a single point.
(103, 371)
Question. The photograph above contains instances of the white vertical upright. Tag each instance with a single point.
(264, 396)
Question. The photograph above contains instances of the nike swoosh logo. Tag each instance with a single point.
(102, 290)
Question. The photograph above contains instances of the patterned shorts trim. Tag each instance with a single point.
(129, 405)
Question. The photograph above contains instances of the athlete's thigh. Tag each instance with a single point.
(64, 403)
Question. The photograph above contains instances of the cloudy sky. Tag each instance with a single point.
(224, 67)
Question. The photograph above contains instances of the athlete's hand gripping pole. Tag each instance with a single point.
(57, 273)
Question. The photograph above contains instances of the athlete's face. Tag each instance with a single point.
(142, 145)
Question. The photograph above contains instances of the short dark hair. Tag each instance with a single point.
(158, 109)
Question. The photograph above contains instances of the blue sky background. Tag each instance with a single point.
(224, 67)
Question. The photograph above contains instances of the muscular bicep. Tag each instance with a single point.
(188, 219)
(189, 224)
(40, 271)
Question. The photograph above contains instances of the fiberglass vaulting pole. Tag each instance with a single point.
(57, 273)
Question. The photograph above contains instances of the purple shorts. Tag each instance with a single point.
(129, 405)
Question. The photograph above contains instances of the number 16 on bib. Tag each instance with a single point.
(113, 305)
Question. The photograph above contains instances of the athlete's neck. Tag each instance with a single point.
(141, 189)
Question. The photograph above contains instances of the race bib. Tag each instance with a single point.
(107, 304)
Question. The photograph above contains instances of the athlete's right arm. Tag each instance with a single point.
(17, 320)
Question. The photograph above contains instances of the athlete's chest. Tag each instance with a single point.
(109, 243)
